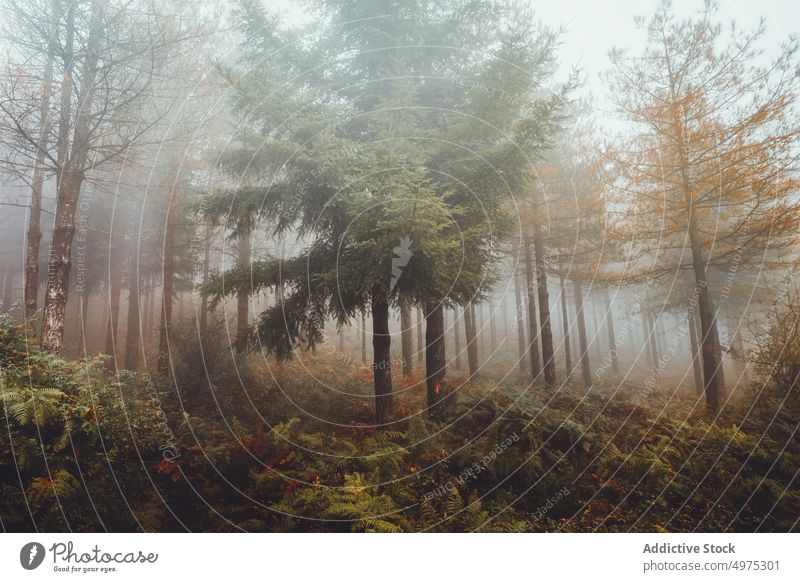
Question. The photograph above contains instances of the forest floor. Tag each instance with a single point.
(290, 447)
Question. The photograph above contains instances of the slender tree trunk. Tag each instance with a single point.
(456, 339)
(612, 336)
(147, 324)
(646, 339)
(519, 321)
(204, 297)
(504, 308)
(406, 339)
(652, 322)
(583, 357)
(565, 322)
(116, 254)
(420, 336)
(363, 339)
(244, 251)
(381, 356)
(435, 365)
(472, 343)
(85, 296)
(168, 279)
(492, 327)
(34, 234)
(70, 180)
(713, 375)
(133, 354)
(548, 353)
(691, 321)
(480, 332)
(533, 331)
(596, 331)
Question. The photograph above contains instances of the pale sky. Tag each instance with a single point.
(592, 27)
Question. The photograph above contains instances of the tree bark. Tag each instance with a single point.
(533, 331)
(652, 322)
(244, 251)
(565, 323)
(480, 332)
(519, 321)
(70, 181)
(168, 277)
(492, 327)
(472, 344)
(456, 339)
(204, 297)
(116, 253)
(381, 356)
(548, 353)
(435, 365)
(85, 296)
(147, 324)
(646, 339)
(34, 234)
(696, 367)
(363, 339)
(612, 336)
(406, 339)
(133, 354)
(420, 336)
(583, 357)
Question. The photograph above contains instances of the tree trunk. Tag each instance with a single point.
(420, 336)
(533, 331)
(548, 353)
(646, 340)
(504, 310)
(596, 331)
(696, 367)
(133, 354)
(435, 365)
(381, 356)
(204, 297)
(85, 296)
(147, 324)
(710, 346)
(34, 234)
(242, 295)
(651, 323)
(71, 178)
(565, 323)
(168, 279)
(583, 356)
(492, 327)
(406, 339)
(363, 339)
(115, 261)
(519, 321)
(480, 332)
(456, 339)
(472, 344)
(60, 263)
(612, 336)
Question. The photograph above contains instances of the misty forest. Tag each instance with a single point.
(396, 266)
